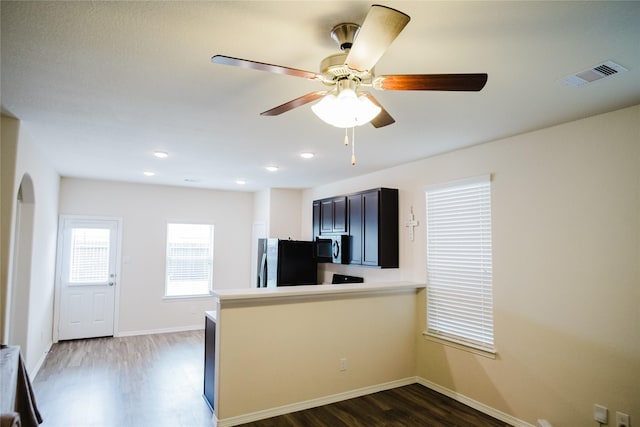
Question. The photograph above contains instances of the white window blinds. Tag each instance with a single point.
(459, 264)
(89, 260)
(189, 259)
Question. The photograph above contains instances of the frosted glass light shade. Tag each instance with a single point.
(346, 110)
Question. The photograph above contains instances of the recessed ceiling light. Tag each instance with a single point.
(272, 168)
(241, 181)
(149, 173)
(161, 154)
(307, 155)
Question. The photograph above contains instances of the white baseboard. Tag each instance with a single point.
(40, 362)
(159, 331)
(308, 404)
(502, 416)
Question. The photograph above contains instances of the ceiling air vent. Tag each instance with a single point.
(597, 72)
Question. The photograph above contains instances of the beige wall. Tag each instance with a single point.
(34, 286)
(145, 211)
(566, 249)
(279, 210)
(284, 215)
(282, 353)
(9, 143)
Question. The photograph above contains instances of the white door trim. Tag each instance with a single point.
(58, 278)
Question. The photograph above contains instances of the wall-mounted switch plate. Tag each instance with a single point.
(600, 414)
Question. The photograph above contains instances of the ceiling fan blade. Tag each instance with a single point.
(261, 66)
(448, 82)
(379, 29)
(383, 118)
(295, 103)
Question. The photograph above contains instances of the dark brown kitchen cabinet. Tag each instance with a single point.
(209, 360)
(355, 228)
(373, 227)
(370, 218)
(370, 232)
(333, 215)
(316, 218)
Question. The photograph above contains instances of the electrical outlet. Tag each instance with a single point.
(600, 414)
(622, 420)
(343, 364)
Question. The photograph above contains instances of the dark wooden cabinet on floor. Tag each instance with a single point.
(370, 218)
(209, 360)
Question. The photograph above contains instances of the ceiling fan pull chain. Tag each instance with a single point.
(346, 137)
(353, 146)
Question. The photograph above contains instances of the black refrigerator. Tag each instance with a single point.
(286, 263)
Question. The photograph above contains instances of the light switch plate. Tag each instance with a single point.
(600, 414)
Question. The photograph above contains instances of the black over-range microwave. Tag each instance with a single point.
(333, 249)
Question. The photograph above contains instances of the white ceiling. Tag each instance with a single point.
(100, 85)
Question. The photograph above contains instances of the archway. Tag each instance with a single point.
(20, 284)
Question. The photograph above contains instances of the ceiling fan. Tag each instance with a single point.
(349, 73)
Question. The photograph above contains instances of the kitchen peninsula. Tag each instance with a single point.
(278, 350)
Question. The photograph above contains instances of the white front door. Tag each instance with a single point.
(87, 277)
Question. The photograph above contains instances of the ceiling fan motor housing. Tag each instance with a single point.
(333, 69)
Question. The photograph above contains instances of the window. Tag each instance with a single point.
(89, 259)
(189, 260)
(459, 264)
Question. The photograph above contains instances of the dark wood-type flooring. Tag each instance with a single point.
(156, 381)
(409, 406)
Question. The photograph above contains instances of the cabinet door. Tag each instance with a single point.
(333, 215)
(355, 229)
(209, 360)
(340, 215)
(388, 228)
(316, 219)
(326, 216)
(370, 221)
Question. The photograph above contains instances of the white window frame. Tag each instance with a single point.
(459, 265)
(168, 294)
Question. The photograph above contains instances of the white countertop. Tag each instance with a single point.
(266, 295)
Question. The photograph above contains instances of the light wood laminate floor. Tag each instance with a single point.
(140, 381)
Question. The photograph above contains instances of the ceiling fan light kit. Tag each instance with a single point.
(345, 104)
(346, 109)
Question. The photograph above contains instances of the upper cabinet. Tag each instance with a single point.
(316, 218)
(333, 215)
(371, 220)
(374, 229)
